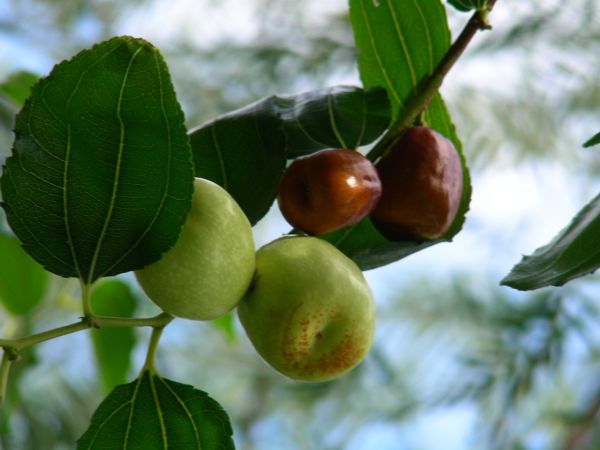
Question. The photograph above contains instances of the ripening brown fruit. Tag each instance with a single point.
(422, 183)
(328, 190)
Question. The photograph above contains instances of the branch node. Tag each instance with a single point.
(12, 354)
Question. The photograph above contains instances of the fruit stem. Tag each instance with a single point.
(152, 347)
(422, 96)
(4, 372)
(12, 347)
(86, 299)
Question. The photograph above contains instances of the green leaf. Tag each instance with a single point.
(245, 151)
(594, 140)
(113, 346)
(153, 413)
(23, 282)
(400, 43)
(16, 87)
(100, 180)
(573, 253)
(336, 117)
(369, 249)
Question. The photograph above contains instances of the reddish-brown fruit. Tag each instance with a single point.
(328, 190)
(422, 184)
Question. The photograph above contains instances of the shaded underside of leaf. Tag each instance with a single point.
(335, 117)
(100, 179)
(153, 413)
(574, 252)
(245, 151)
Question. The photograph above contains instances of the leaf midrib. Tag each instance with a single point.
(67, 161)
(115, 187)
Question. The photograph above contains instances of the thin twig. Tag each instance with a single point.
(580, 434)
(4, 372)
(18, 344)
(423, 95)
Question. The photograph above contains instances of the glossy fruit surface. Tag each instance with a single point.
(208, 270)
(309, 312)
(328, 190)
(422, 184)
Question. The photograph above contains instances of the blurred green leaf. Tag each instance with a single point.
(23, 282)
(100, 180)
(13, 92)
(594, 140)
(226, 325)
(245, 151)
(17, 87)
(573, 253)
(153, 413)
(113, 346)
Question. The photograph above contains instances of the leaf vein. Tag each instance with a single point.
(67, 160)
(159, 412)
(167, 172)
(115, 187)
(213, 131)
(331, 115)
(402, 41)
(186, 411)
(390, 86)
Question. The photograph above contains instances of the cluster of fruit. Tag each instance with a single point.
(305, 306)
(413, 193)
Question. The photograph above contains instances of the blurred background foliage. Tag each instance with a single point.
(458, 362)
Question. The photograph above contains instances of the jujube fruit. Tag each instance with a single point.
(208, 270)
(328, 190)
(309, 312)
(422, 183)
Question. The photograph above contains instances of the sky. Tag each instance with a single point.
(522, 207)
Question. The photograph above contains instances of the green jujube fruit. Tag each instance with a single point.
(208, 270)
(309, 312)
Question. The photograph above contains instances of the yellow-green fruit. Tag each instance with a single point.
(309, 312)
(208, 270)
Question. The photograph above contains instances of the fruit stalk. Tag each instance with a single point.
(423, 95)
(152, 347)
(4, 372)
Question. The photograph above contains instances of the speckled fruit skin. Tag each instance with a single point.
(309, 312)
(422, 183)
(208, 270)
(328, 190)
